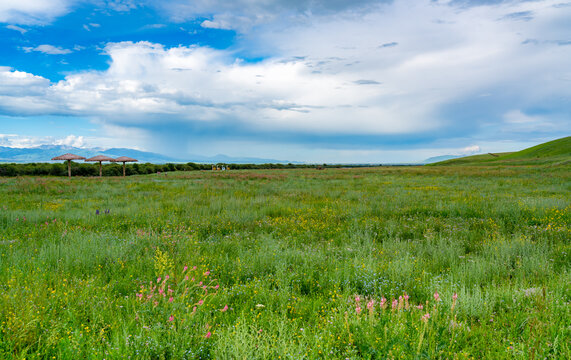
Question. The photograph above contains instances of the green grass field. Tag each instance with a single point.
(289, 264)
(553, 153)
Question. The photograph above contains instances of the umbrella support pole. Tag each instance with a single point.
(100, 170)
(69, 168)
(123, 169)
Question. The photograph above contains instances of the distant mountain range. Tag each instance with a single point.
(44, 153)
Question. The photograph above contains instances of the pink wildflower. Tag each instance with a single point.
(358, 309)
(171, 318)
(225, 308)
(186, 278)
(162, 292)
(455, 296)
(425, 317)
(167, 277)
(420, 307)
(357, 298)
(185, 268)
(436, 296)
(395, 304)
(194, 267)
(171, 299)
(216, 287)
(200, 302)
(159, 279)
(140, 296)
(208, 335)
(207, 273)
(383, 303)
(194, 309)
(371, 305)
(260, 331)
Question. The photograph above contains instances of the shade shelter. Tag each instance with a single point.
(100, 158)
(124, 159)
(68, 157)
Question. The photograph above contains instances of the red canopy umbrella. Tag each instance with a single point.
(100, 158)
(68, 157)
(124, 159)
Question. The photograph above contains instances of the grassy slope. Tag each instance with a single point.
(552, 152)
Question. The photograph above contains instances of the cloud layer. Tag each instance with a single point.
(457, 71)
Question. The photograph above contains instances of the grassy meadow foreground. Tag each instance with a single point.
(372, 263)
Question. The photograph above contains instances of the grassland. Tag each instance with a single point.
(553, 153)
(289, 264)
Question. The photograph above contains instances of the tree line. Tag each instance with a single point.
(83, 169)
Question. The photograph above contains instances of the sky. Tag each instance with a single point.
(336, 81)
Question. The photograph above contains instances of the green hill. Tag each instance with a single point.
(554, 152)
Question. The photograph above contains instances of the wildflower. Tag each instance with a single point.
(194, 309)
(395, 304)
(208, 335)
(401, 303)
(371, 305)
(96, 212)
(425, 317)
(159, 279)
(207, 273)
(358, 309)
(185, 268)
(216, 287)
(194, 267)
(436, 296)
(171, 299)
(454, 297)
(259, 306)
(200, 302)
(171, 318)
(357, 298)
(225, 308)
(186, 278)
(140, 296)
(383, 303)
(420, 307)
(260, 331)
(166, 278)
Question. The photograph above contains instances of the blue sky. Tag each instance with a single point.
(316, 81)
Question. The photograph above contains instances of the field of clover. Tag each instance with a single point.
(365, 263)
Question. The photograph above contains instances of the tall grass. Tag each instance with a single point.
(296, 264)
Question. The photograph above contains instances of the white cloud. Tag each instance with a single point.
(327, 75)
(470, 150)
(21, 30)
(32, 11)
(48, 49)
(71, 140)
